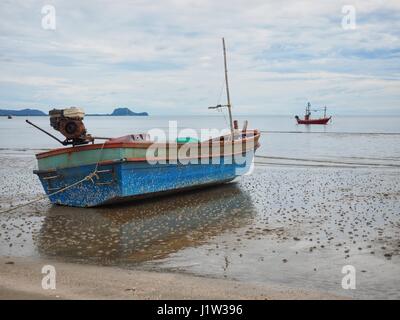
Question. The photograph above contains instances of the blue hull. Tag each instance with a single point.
(123, 180)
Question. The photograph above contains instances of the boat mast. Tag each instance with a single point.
(227, 90)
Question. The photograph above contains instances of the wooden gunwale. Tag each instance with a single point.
(145, 144)
(116, 161)
(125, 160)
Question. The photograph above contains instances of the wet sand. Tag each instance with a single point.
(292, 226)
(22, 280)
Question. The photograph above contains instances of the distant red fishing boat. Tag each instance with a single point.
(307, 117)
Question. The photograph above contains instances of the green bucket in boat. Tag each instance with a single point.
(186, 140)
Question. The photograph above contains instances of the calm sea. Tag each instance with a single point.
(350, 138)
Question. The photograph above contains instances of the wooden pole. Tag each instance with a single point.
(227, 90)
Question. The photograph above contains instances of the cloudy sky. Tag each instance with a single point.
(165, 56)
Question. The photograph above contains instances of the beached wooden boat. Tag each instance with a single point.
(132, 166)
(307, 117)
(123, 172)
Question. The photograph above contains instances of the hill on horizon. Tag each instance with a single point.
(127, 112)
(23, 112)
(36, 112)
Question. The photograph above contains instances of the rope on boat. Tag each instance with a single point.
(89, 177)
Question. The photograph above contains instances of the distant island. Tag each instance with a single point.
(122, 112)
(35, 112)
(23, 112)
(127, 112)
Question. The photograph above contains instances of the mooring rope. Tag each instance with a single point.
(89, 177)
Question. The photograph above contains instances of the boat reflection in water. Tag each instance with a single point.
(146, 231)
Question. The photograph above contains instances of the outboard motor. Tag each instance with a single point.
(70, 123)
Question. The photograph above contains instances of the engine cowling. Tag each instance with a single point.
(69, 122)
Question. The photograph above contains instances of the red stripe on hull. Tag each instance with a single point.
(314, 121)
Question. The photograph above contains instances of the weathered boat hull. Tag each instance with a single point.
(97, 174)
(125, 180)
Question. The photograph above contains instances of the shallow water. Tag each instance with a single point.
(316, 202)
(351, 138)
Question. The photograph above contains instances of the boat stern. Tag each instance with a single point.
(79, 187)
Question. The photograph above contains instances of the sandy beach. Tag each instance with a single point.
(284, 232)
(21, 279)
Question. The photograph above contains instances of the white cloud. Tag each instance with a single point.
(163, 56)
